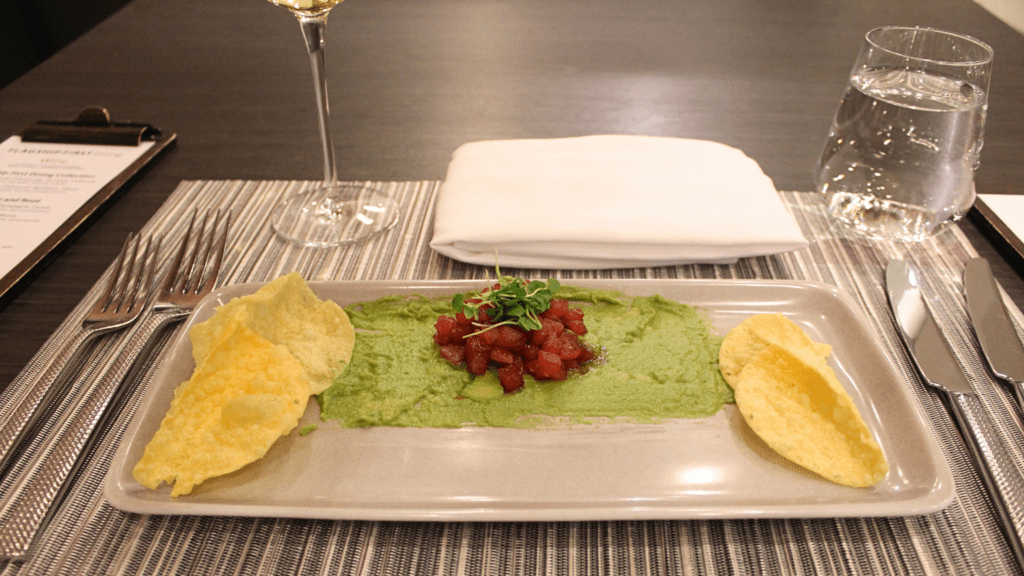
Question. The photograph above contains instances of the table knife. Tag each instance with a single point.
(1000, 344)
(933, 358)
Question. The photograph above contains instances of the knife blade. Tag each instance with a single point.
(930, 353)
(1000, 344)
(922, 336)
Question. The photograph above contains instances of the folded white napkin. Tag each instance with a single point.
(608, 202)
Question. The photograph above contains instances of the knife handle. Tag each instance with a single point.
(990, 458)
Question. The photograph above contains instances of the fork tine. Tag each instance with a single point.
(201, 254)
(218, 255)
(142, 276)
(173, 277)
(151, 274)
(130, 282)
(195, 262)
(198, 260)
(112, 293)
(214, 253)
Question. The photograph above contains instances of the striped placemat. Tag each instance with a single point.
(88, 536)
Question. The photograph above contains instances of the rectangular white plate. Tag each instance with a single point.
(681, 469)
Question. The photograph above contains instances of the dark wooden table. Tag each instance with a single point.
(410, 80)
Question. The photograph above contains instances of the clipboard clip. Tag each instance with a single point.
(91, 126)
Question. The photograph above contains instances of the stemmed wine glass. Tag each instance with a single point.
(333, 213)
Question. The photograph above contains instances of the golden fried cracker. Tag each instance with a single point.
(317, 333)
(246, 394)
(755, 334)
(795, 403)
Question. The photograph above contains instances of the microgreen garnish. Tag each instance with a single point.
(515, 302)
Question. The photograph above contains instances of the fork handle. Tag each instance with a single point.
(36, 398)
(985, 448)
(30, 498)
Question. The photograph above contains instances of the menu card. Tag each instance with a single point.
(47, 189)
(1001, 218)
(1009, 208)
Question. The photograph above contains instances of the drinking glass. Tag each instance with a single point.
(900, 158)
(334, 212)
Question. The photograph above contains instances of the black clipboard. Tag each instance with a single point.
(91, 126)
(1003, 239)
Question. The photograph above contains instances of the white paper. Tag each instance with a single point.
(43, 184)
(1009, 208)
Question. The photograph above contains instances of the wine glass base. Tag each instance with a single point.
(334, 215)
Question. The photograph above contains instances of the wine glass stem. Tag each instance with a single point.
(313, 29)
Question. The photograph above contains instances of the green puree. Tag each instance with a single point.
(658, 359)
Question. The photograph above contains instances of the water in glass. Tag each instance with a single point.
(900, 157)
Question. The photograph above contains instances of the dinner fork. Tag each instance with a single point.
(119, 305)
(189, 280)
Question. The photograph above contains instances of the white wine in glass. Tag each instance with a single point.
(333, 213)
(308, 7)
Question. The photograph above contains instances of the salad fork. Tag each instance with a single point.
(126, 293)
(120, 305)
